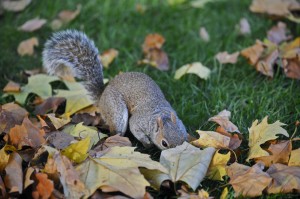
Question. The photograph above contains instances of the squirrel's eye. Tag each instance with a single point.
(164, 144)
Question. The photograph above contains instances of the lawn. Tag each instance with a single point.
(116, 24)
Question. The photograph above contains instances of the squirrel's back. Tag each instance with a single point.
(71, 51)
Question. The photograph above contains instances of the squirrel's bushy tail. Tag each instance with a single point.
(74, 51)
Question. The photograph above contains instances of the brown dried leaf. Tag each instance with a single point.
(25, 135)
(253, 53)
(26, 47)
(204, 34)
(156, 58)
(224, 57)
(185, 194)
(108, 56)
(32, 25)
(248, 181)
(244, 27)
(235, 140)
(266, 64)
(286, 179)
(12, 87)
(15, 5)
(294, 159)
(3, 193)
(223, 120)
(44, 188)
(278, 33)
(50, 104)
(14, 174)
(152, 41)
(59, 139)
(67, 15)
(112, 141)
(28, 181)
(280, 153)
(292, 68)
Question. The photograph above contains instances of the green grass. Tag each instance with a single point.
(116, 24)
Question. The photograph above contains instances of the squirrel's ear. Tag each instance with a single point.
(173, 117)
(160, 122)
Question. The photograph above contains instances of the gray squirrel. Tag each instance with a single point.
(130, 97)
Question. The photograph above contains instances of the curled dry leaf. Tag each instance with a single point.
(204, 34)
(25, 135)
(12, 87)
(2, 189)
(291, 49)
(185, 194)
(248, 181)
(193, 68)
(152, 41)
(32, 25)
(44, 188)
(225, 58)
(27, 180)
(67, 15)
(157, 58)
(212, 139)
(294, 159)
(181, 167)
(58, 122)
(15, 6)
(4, 157)
(223, 120)
(244, 27)
(278, 33)
(253, 53)
(279, 153)
(261, 133)
(112, 141)
(59, 139)
(26, 47)
(108, 56)
(291, 68)
(286, 179)
(216, 169)
(14, 175)
(50, 104)
(266, 64)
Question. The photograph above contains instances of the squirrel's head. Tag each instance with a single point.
(170, 132)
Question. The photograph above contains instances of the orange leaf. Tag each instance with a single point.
(12, 87)
(44, 187)
(153, 41)
(67, 15)
(26, 47)
(253, 53)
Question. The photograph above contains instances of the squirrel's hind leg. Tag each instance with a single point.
(114, 111)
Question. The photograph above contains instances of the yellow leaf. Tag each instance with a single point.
(117, 168)
(212, 139)
(82, 131)
(78, 151)
(108, 56)
(224, 193)
(216, 169)
(3, 159)
(294, 159)
(26, 47)
(58, 122)
(261, 133)
(193, 68)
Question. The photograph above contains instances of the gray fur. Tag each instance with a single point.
(130, 97)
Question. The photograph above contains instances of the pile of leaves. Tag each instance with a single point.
(58, 150)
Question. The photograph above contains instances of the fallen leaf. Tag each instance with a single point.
(50, 104)
(281, 8)
(117, 167)
(2, 189)
(223, 120)
(56, 24)
(261, 133)
(69, 178)
(112, 141)
(12, 87)
(193, 68)
(279, 153)
(25, 135)
(216, 169)
(211, 139)
(44, 188)
(225, 58)
(244, 27)
(157, 58)
(294, 159)
(140, 8)
(278, 33)
(58, 122)
(32, 25)
(15, 6)
(26, 47)
(204, 34)
(27, 180)
(292, 68)
(4, 157)
(235, 140)
(14, 175)
(291, 49)
(77, 97)
(82, 131)
(59, 139)
(286, 179)
(77, 152)
(248, 181)
(152, 41)
(108, 56)
(266, 64)
(224, 194)
(181, 167)
(185, 194)
(67, 15)
(253, 53)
